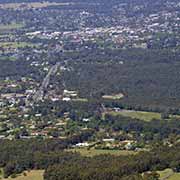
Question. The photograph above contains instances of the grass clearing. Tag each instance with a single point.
(8, 58)
(94, 152)
(10, 26)
(168, 174)
(16, 44)
(175, 176)
(4, 35)
(174, 116)
(165, 174)
(80, 100)
(29, 5)
(142, 115)
(32, 175)
(113, 97)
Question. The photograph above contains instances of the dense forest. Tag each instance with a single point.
(148, 77)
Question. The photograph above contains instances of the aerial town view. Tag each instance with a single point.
(90, 90)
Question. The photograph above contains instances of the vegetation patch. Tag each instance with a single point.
(80, 100)
(16, 44)
(168, 174)
(142, 115)
(4, 58)
(31, 175)
(31, 5)
(95, 152)
(10, 26)
(113, 97)
(175, 176)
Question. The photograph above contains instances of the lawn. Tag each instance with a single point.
(16, 44)
(142, 115)
(32, 175)
(80, 100)
(10, 26)
(113, 97)
(175, 176)
(94, 152)
(168, 174)
(9, 58)
(31, 5)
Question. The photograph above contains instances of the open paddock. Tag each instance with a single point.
(142, 115)
(31, 5)
(95, 152)
(10, 26)
(168, 174)
(31, 175)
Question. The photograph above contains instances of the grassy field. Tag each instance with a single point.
(9, 58)
(165, 174)
(95, 152)
(113, 97)
(32, 175)
(175, 176)
(80, 100)
(146, 116)
(16, 44)
(168, 174)
(142, 115)
(31, 5)
(10, 27)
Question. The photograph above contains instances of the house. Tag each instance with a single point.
(2, 136)
(85, 119)
(38, 115)
(109, 140)
(68, 93)
(66, 99)
(2, 104)
(85, 144)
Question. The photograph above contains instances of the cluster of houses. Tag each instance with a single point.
(139, 35)
(13, 108)
(109, 144)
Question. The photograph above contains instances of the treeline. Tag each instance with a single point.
(153, 130)
(110, 167)
(147, 77)
(19, 68)
(77, 109)
(19, 155)
(16, 156)
(123, 104)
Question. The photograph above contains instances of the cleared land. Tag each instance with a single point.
(9, 58)
(32, 175)
(113, 97)
(10, 27)
(164, 175)
(142, 115)
(80, 100)
(95, 152)
(16, 44)
(175, 176)
(31, 5)
(168, 174)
